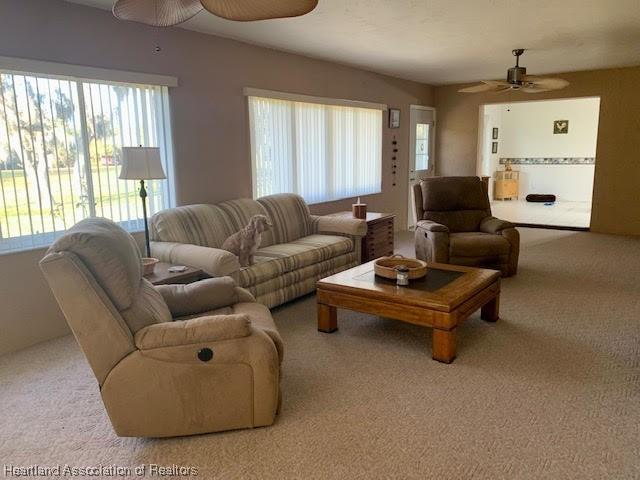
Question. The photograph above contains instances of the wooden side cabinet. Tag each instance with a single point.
(379, 239)
(506, 185)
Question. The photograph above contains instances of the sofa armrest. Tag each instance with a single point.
(432, 241)
(494, 225)
(244, 296)
(198, 297)
(194, 331)
(432, 226)
(340, 225)
(214, 261)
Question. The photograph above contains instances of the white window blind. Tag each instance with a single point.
(320, 151)
(61, 145)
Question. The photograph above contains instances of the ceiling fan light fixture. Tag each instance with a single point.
(516, 74)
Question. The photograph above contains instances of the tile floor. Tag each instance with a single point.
(564, 214)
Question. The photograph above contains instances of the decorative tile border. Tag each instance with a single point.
(549, 161)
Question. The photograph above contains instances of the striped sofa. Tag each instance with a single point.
(298, 250)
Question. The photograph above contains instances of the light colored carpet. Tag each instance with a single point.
(549, 391)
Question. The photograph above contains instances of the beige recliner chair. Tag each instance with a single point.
(170, 360)
(454, 225)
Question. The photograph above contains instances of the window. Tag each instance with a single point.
(321, 151)
(61, 142)
(422, 146)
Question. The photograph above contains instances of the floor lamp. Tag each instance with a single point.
(142, 163)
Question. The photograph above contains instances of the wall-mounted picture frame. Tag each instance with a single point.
(494, 147)
(560, 127)
(394, 118)
(494, 133)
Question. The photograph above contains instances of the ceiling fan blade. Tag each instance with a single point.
(159, 13)
(250, 10)
(485, 86)
(533, 89)
(547, 83)
(502, 83)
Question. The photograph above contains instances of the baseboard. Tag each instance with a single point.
(552, 227)
(537, 225)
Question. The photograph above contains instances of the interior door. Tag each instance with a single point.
(421, 149)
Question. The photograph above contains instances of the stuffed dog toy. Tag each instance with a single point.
(246, 242)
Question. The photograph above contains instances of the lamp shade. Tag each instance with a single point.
(141, 163)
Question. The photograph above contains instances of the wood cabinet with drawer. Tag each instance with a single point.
(379, 239)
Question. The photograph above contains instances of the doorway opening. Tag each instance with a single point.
(540, 159)
(422, 137)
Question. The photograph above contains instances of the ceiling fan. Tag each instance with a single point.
(517, 79)
(166, 13)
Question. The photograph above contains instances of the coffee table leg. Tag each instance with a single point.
(444, 345)
(327, 318)
(491, 310)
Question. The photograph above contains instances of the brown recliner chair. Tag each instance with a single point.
(455, 226)
(169, 360)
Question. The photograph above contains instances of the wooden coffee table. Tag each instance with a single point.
(442, 300)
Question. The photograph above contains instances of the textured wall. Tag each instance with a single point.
(527, 128)
(209, 113)
(616, 197)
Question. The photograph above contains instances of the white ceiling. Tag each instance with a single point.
(448, 41)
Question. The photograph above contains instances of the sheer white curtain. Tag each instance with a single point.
(322, 152)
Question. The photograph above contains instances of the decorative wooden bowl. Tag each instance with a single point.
(386, 266)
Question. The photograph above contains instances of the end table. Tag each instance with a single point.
(379, 239)
(162, 276)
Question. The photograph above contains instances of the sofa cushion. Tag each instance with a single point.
(205, 225)
(109, 253)
(289, 215)
(293, 285)
(291, 281)
(148, 308)
(453, 193)
(477, 244)
(460, 203)
(458, 221)
(281, 258)
(240, 211)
